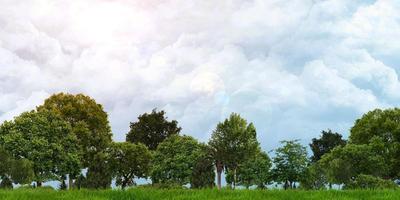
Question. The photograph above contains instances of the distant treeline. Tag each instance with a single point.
(69, 133)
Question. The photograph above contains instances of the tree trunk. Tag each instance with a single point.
(70, 182)
(234, 178)
(219, 173)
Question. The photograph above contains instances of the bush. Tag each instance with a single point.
(370, 182)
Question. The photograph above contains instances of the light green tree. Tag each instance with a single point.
(232, 142)
(290, 163)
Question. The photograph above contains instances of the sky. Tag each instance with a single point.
(292, 67)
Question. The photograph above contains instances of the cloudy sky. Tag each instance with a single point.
(293, 67)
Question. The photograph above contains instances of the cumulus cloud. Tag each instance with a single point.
(291, 67)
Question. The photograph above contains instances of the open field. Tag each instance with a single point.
(156, 194)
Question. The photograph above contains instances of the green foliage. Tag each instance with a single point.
(314, 178)
(382, 124)
(232, 142)
(78, 109)
(99, 174)
(91, 127)
(203, 175)
(44, 139)
(290, 163)
(363, 181)
(325, 144)
(343, 164)
(175, 159)
(129, 161)
(151, 129)
(255, 171)
(6, 183)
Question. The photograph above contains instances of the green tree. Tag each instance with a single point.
(255, 171)
(314, 178)
(385, 125)
(344, 164)
(325, 144)
(89, 124)
(174, 160)
(99, 174)
(203, 175)
(44, 139)
(129, 161)
(18, 171)
(290, 163)
(151, 129)
(232, 142)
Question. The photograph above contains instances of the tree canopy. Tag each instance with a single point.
(151, 129)
(44, 139)
(290, 163)
(325, 144)
(129, 161)
(232, 142)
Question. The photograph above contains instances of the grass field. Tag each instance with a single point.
(158, 194)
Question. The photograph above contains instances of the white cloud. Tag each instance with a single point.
(292, 67)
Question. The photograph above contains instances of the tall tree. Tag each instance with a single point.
(89, 123)
(46, 140)
(232, 142)
(327, 141)
(175, 159)
(385, 125)
(151, 129)
(129, 161)
(290, 163)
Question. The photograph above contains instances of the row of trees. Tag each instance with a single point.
(69, 138)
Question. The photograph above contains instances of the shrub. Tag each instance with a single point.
(370, 182)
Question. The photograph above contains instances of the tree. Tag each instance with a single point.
(90, 125)
(290, 163)
(385, 125)
(325, 144)
(151, 129)
(44, 139)
(174, 160)
(129, 161)
(18, 171)
(99, 174)
(255, 171)
(314, 178)
(344, 164)
(203, 175)
(232, 141)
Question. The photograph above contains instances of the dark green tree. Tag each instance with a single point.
(290, 163)
(203, 175)
(327, 141)
(90, 125)
(232, 142)
(151, 129)
(129, 161)
(174, 160)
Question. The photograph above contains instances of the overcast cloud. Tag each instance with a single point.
(293, 67)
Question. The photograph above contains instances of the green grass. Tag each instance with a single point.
(158, 194)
